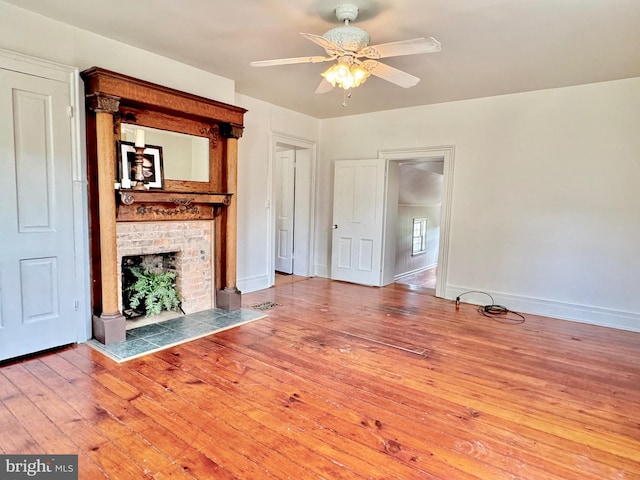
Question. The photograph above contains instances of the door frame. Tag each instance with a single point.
(68, 75)
(283, 140)
(447, 152)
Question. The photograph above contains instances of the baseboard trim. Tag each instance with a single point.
(321, 271)
(550, 308)
(400, 276)
(253, 284)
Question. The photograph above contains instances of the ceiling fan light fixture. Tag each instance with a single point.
(360, 74)
(346, 76)
(356, 59)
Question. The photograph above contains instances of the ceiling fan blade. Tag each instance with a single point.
(404, 47)
(390, 74)
(289, 61)
(329, 47)
(324, 87)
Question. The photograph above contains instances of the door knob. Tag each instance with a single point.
(335, 227)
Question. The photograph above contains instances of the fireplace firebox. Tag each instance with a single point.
(182, 247)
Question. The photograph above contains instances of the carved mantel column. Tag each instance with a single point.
(229, 298)
(109, 326)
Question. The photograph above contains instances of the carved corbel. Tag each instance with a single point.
(217, 210)
(119, 117)
(229, 130)
(103, 103)
(126, 198)
(213, 132)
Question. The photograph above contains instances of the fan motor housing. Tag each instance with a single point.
(349, 38)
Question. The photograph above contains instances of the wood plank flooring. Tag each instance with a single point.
(285, 278)
(423, 279)
(342, 382)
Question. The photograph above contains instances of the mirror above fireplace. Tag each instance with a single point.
(185, 157)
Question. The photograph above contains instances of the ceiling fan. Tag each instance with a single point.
(356, 59)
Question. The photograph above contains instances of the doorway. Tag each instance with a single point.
(431, 170)
(293, 181)
(418, 222)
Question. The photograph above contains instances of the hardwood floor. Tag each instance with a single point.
(342, 382)
(423, 279)
(286, 279)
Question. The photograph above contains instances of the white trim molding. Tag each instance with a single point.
(321, 271)
(550, 308)
(253, 284)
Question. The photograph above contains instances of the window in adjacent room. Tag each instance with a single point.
(419, 236)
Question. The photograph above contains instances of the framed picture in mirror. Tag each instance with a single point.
(151, 167)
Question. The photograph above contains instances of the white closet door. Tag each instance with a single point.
(37, 262)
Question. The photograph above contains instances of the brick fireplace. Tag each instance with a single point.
(192, 242)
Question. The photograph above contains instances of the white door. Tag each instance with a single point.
(37, 264)
(285, 206)
(358, 206)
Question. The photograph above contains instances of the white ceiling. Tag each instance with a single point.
(489, 47)
(421, 184)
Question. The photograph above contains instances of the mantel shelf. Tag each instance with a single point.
(145, 206)
(129, 197)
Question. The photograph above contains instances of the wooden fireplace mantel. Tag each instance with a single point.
(141, 206)
(112, 99)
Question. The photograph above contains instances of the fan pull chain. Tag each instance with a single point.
(346, 94)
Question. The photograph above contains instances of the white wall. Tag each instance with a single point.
(546, 203)
(255, 233)
(406, 262)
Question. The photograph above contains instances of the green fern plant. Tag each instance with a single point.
(156, 291)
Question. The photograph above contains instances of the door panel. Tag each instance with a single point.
(39, 289)
(37, 262)
(344, 252)
(33, 160)
(358, 207)
(366, 255)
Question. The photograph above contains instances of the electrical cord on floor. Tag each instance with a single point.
(495, 312)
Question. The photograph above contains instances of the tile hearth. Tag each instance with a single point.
(160, 335)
